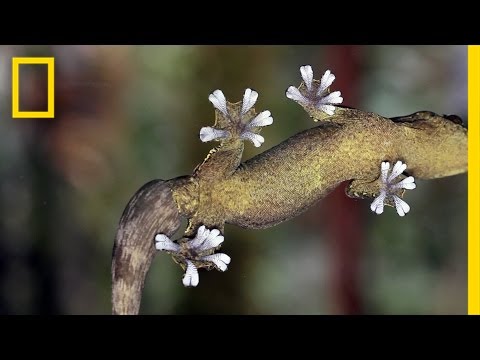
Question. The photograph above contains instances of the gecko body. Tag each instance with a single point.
(287, 179)
(348, 145)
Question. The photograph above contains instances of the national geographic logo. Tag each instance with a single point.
(16, 62)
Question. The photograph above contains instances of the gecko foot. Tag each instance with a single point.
(236, 121)
(390, 188)
(314, 95)
(196, 253)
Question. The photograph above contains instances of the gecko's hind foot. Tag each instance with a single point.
(196, 253)
(236, 120)
(314, 95)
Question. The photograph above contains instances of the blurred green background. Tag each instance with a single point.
(129, 114)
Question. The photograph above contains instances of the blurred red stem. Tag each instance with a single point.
(343, 216)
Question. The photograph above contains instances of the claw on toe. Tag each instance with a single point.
(236, 120)
(196, 253)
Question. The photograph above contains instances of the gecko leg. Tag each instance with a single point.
(196, 253)
(236, 120)
(315, 96)
(195, 223)
(386, 189)
(234, 123)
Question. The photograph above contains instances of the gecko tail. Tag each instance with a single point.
(150, 211)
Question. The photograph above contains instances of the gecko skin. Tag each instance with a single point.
(287, 179)
(278, 184)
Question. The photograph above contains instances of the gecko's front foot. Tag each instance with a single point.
(236, 120)
(314, 95)
(196, 253)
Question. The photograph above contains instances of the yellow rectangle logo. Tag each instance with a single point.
(16, 62)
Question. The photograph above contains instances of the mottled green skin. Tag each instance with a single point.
(285, 180)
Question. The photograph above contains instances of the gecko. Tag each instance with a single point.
(379, 157)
